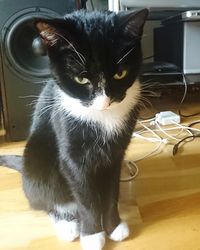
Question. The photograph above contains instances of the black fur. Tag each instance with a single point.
(68, 160)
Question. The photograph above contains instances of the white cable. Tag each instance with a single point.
(163, 131)
(179, 126)
(148, 120)
(158, 130)
(131, 165)
(152, 153)
(139, 131)
(151, 131)
(183, 128)
(151, 139)
(190, 128)
(185, 90)
(157, 138)
(145, 121)
(133, 170)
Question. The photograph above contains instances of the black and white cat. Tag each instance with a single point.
(83, 122)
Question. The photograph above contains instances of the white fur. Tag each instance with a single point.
(111, 119)
(101, 102)
(93, 241)
(120, 233)
(67, 231)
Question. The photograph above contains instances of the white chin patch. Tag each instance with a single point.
(110, 117)
(101, 102)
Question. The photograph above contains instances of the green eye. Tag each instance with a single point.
(120, 75)
(81, 80)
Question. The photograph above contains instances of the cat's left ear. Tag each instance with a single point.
(132, 22)
(50, 30)
(47, 31)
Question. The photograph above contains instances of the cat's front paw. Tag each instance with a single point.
(67, 230)
(93, 241)
(120, 233)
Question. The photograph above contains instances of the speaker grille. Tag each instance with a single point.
(18, 43)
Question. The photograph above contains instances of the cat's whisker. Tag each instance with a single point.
(33, 103)
(53, 116)
(35, 96)
(80, 63)
(38, 99)
(149, 93)
(149, 87)
(149, 82)
(45, 109)
(124, 56)
(145, 100)
(144, 105)
(81, 57)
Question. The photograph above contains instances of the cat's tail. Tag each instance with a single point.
(12, 161)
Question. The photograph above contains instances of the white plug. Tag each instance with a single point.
(167, 118)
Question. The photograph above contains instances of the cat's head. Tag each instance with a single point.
(95, 56)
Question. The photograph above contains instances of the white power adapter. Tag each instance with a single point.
(167, 118)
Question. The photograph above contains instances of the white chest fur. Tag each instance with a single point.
(111, 119)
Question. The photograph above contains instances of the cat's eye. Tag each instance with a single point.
(81, 80)
(120, 75)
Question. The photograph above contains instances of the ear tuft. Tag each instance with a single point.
(47, 32)
(133, 22)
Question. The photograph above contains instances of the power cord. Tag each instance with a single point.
(176, 146)
(132, 166)
(192, 137)
(133, 171)
(185, 81)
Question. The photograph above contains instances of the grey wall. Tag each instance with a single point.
(98, 4)
(147, 41)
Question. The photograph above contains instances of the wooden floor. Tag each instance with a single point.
(162, 205)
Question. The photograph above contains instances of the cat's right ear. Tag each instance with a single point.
(48, 31)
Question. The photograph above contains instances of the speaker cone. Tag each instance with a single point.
(23, 49)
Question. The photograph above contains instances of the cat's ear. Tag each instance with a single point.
(50, 30)
(132, 23)
(47, 33)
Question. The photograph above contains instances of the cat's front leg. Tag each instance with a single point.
(90, 210)
(86, 193)
(116, 229)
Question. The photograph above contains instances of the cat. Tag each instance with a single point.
(83, 122)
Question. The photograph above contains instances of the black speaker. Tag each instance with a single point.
(24, 66)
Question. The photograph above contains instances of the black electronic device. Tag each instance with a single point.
(190, 15)
(177, 42)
